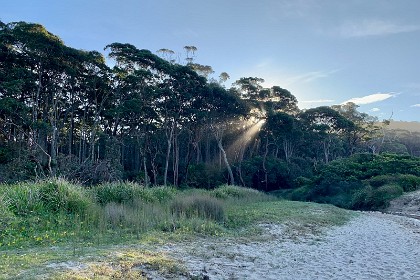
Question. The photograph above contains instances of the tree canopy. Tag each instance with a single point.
(140, 116)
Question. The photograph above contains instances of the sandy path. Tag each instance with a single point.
(371, 246)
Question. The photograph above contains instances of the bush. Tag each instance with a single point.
(383, 195)
(380, 180)
(409, 182)
(116, 192)
(204, 176)
(22, 199)
(55, 195)
(229, 191)
(301, 194)
(198, 206)
(128, 192)
(59, 195)
(156, 194)
(375, 199)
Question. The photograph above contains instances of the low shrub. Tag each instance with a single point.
(22, 198)
(55, 195)
(237, 192)
(128, 192)
(198, 206)
(117, 192)
(383, 195)
(59, 195)
(380, 180)
(409, 182)
(156, 194)
(370, 198)
(301, 194)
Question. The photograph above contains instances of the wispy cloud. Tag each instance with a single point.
(374, 28)
(375, 110)
(415, 105)
(372, 98)
(309, 77)
(318, 101)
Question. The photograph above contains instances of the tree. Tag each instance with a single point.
(327, 126)
(249, 87)
(225, 107)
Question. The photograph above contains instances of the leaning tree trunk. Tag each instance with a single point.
(225, 159)
(168, 152)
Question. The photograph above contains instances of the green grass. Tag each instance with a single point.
(54, 221)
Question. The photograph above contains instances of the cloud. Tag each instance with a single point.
(375, 110)
(318, 101)
(374, 28)
(415, 105)
(370, 98)
(309, 77)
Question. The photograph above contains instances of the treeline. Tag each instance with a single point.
(151, 119)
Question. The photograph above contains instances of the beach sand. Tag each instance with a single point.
(371, 246)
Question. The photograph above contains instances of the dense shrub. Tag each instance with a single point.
(277, 176)
(301, 193)
(339, 193)
(59, 195)
(55, 195)
(375, 199)
(383, 195)
(362, 181)
(123, 192)
(229, 191)
(117, 192)
(407, 181)
(204, 176)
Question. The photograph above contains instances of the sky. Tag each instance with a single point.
(325, 52)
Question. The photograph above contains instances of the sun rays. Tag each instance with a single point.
(252, 126)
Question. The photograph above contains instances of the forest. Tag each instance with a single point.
(165, 119)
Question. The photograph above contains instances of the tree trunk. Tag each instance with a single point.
(168, 153)
(264, 165)
(225, 159)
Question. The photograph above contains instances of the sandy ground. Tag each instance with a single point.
(371, 246)
(407, 204)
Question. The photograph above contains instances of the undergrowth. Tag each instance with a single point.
(46, 218)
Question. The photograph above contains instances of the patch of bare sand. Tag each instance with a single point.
(371, 246)
(407, 204)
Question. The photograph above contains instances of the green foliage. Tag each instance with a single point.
(204, 176)
(58, 195)
(124, 192)
(362, 181)
(55, 195)
(117, 192)
(199, 206)
(374, 199)
(277, 171)
(409, 182)
(237, 192)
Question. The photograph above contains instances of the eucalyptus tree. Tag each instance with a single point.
(325, 126)
(42, 75)
(249, 87)
(224, 110)
(365, 126)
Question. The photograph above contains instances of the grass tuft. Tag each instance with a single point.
(198, 206)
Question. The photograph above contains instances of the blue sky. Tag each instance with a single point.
(324, 51)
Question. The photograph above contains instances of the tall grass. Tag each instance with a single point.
(56, 211)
